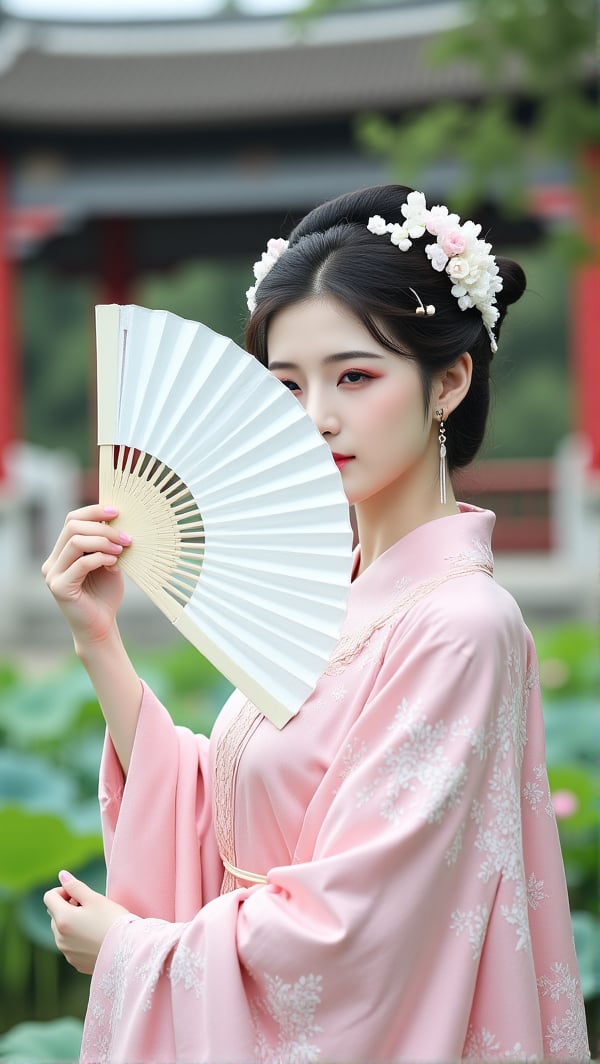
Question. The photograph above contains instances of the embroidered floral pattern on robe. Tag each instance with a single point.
(415, 907)
(565, 1035)
(293, 1009)
(483, 1045)
(106, 1010)
(417, 773)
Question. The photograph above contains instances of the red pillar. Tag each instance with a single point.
(9, 381)
(586, 313)
(116, 265)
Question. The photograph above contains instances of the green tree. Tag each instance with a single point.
(535, 61)
(536, 107)
(57, 327)
(57, 324)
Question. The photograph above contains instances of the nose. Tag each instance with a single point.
(320, 410)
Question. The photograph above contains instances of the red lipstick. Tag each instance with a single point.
(341, 459)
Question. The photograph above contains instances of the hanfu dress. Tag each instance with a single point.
(380, 880)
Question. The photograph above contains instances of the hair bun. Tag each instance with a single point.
(514, 282)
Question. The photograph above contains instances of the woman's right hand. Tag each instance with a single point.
(80, 572)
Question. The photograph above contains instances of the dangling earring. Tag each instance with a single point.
(442, 442)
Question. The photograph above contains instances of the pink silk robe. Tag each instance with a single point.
(415, 907)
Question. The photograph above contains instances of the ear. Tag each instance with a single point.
(451, 386)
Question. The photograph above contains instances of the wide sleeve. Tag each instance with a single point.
(161, 854)
(369, 945)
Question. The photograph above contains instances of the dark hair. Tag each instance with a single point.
(332, 253)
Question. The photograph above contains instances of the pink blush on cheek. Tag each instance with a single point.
(391, 429)
(389, 407)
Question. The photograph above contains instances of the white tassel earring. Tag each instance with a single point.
(442, 442)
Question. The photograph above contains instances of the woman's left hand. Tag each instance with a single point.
(81, 919)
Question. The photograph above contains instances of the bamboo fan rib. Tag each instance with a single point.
(240, 525)
(169, 532)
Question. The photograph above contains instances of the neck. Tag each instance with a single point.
(390, 515)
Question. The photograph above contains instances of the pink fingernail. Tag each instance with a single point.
(110, 511)
(65, 877)
(125, 538)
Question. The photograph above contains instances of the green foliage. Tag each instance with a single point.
(538, 49)
(302, 19)
(57, 326)
(571, 729)
(586, 931)
(51, 736)
(408, 148)
(530, 374)
(211, 292)
(56, 319)
(189, 683)
(569, 661)
(34, 714)
(549, 38)
(481, 137)
(570, 676)
(30, 844)
(57, 1041)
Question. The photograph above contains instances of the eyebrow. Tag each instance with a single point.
(342, 356)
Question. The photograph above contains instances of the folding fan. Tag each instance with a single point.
(240, 525)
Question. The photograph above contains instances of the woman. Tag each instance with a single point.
(381, 880)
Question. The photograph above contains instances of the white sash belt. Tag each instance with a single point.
(240, 873)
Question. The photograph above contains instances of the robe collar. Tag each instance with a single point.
(427, 552)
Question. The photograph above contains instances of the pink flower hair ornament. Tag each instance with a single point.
(457, 250)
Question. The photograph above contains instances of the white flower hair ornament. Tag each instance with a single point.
(275, 249)
(458, 250)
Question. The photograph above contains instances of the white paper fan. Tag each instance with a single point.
(240, 525)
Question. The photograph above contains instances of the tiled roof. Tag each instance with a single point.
(244, 69)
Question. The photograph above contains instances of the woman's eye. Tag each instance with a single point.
(293, 387)
(354, 376)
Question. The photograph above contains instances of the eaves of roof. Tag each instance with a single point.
(233, 70)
